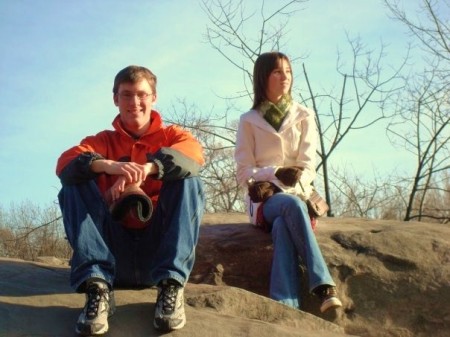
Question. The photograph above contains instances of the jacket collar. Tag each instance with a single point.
(295, 115)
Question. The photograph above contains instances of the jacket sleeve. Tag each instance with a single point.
(181, 159)
(245, 156)
(73, 166)
(307, 149)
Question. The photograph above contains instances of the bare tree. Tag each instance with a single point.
(422, 128)
(229, 33)
(365, 88)
(375, 198)
(433, 31)
(216, 134)
(423, 124)
(28, 231)
(359, 103)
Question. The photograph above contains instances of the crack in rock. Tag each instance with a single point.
(390, 261)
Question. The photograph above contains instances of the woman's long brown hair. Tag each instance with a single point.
(264, 65)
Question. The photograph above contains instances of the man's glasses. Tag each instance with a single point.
(129, 96)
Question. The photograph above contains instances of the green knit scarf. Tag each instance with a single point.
(274, 114)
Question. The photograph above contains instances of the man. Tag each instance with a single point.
(132, 204)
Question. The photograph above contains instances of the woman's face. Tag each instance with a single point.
(279, 81)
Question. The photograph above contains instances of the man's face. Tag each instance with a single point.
(135, 101)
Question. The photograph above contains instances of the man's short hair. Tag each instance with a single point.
(133, 74)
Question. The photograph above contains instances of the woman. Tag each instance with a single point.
(275, 155)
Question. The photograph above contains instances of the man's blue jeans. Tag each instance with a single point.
(103, 248)
(293, 239)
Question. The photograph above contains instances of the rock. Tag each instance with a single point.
(51, 260)
(393, 277)
(36, 300)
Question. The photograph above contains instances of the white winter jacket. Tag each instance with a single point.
(261, 150)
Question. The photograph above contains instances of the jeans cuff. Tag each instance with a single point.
(80, 287)
(326, 283)
(173, 276)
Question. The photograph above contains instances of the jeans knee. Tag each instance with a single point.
(279, 229)
(76, 195)
(89, 187)
(294, 201)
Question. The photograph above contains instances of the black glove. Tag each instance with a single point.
(289, 175)
(262, 190)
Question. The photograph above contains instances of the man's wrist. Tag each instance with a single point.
(98, 165)
(153, 169)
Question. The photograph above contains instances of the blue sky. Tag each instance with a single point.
(59, 59)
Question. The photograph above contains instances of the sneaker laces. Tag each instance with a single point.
(95, 294)
(168, 296)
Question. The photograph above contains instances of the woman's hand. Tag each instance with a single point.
(289, 175)
(260, 191)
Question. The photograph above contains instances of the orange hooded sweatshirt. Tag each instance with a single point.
(176, 152)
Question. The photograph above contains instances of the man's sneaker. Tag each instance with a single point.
(169, 310)
(99, 306)
(328, 297)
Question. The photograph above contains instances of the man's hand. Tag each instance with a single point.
(133, 172)
(116, 190)
(129, 172)
(289, 175)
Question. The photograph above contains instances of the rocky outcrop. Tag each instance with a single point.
(393, 277)
(35, 300)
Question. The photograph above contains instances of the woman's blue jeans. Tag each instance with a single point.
(103, 248)
(294, 243)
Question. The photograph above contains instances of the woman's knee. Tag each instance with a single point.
(295, 201)
(278, 226)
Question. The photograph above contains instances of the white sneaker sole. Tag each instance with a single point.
(332, 302)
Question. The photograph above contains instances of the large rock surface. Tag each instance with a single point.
(35, 300)
(393, 278)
